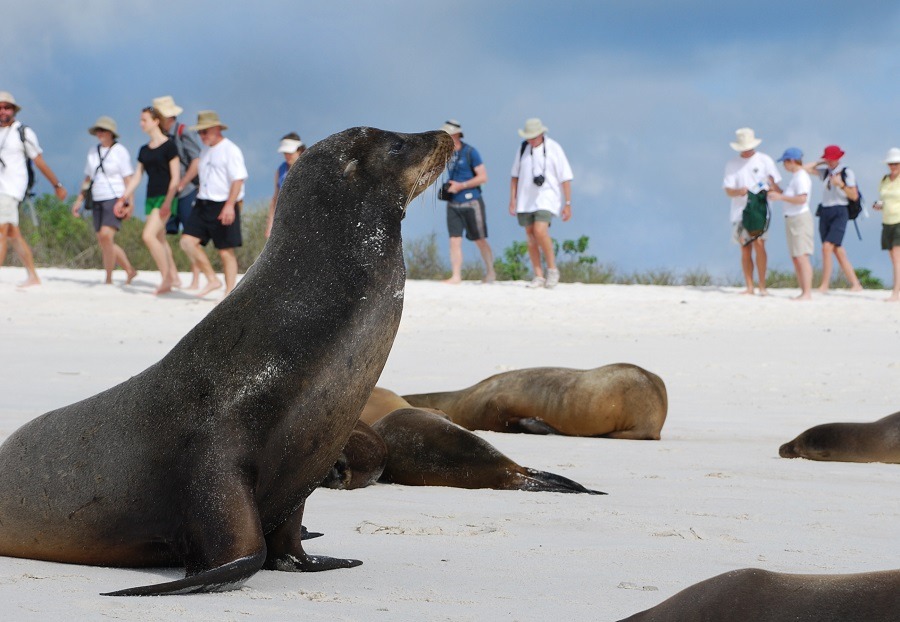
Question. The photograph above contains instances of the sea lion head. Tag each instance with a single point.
(816, 443)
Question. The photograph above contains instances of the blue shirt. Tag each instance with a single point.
(282, 173)
(461, 168)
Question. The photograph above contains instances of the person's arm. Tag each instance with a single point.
(479, 179)
(227, 215)
(513, 190)
(58, 188)
(131, 184)
(567, 208)
(773, 185)
(172, 191)
(189, 174)
(736, 192)
(778, 195)
(79, 199)
(270, 218)
(852, 192)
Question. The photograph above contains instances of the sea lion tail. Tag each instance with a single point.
(223, 578)
(542, 481)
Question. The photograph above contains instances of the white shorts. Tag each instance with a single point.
(9, 210)
(740, 237)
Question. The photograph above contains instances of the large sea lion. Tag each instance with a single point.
(878, 441)
(360, 463)
(614, 401)
(206, 458)
(425, 449)
(763, 596)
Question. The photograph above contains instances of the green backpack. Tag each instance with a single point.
(755, 218)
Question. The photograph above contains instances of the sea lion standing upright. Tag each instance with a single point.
(763, 596)
(206, 458)
(613, 401)
(878, 441)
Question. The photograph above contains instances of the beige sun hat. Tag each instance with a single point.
(7, 98)
(166, 106)
(104, 123)
(893, 156)
(207, 119)
(533, 129)
(451, 126)
(746, 140)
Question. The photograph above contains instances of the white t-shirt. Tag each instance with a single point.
(14, 174)
(831, 194)
(800, 184)
(746, 173)
(555, 169)
(219, 167)
(109, 182)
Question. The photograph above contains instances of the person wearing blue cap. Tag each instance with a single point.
(798, 220)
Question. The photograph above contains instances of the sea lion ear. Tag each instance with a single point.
(350, 170)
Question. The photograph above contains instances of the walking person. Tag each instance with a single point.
(159, 158)
(188, 144)
(291, 147)
(749, 173)
(18, 145)
(540, 189)
(839, 188)
(798, 220)
(466, 174)
(107, 169)
(216, 215)
(889, 205)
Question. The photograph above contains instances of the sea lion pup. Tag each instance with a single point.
(361, 461)
(384, 401)
(763, 596)
(206, 458)
(877, 441)
(424, 449)
(613, 401)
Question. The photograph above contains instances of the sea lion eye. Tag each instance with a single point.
(397, 146)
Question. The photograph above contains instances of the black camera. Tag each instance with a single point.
(444, 192)
(539, 180)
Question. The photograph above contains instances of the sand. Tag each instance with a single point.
(744, 374)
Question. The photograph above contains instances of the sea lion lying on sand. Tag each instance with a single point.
(878, 441)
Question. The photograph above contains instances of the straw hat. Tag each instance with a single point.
(832, 152)
(166, 106)
(893, 156)
(289, 145)
(207, 119)
(452, 126)
(533, 129)
(746, 140)
(7, 98)
(104, 123)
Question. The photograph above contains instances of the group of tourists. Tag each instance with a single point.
(752, 180)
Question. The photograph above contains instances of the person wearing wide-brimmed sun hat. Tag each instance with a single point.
(798, 220)
(18, 144)
(749, 172)
(291, 147)
(839, 189)
(216, 215)
(188, 144)
(541, 188)
(889, 205)
(107, 170)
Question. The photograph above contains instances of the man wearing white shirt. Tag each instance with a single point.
(798, 220)
(541, 188)
(216, 215)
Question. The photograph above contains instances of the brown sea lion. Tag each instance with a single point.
(613, 401)
(361, 461)
(206, 459)
(424, 449)
(878, 441)
(384, 401)
(757, 595)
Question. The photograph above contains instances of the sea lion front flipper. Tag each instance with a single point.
(285, 551)
(543, 481)
(306, 534)
(534, 425)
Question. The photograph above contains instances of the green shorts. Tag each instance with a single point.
(529, 218)
(890, 236)
(153, 203)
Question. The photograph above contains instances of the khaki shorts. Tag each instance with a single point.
(740, 237)
(9, 210)
(799, 232)
(529, 218)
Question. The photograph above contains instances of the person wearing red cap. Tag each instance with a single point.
(839, 188)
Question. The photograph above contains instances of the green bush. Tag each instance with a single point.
(422, 259)
(512, 266)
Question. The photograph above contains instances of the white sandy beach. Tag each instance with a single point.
(744, 374)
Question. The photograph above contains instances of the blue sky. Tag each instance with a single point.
(643, 95)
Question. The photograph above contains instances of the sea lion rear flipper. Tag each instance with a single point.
(229, 576)
(542, 481)
(534, 425)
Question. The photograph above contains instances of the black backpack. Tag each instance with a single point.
(854, 207)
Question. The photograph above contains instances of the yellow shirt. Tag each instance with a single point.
(890, 196)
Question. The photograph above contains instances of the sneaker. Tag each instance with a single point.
(552, 278)
(536, 282)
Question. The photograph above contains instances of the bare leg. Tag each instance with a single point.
(191, 246)
(106, 240)
(847, 268)
(122, 260)
(487, 256)
(545, 242)
(456, 259)
(534, 253)
(24, 252)
(229, 268)
(3, 236)
(803, 268)
(895, 262)
(154, 238)
(827, 261)
(761, 263)
(747, 267)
